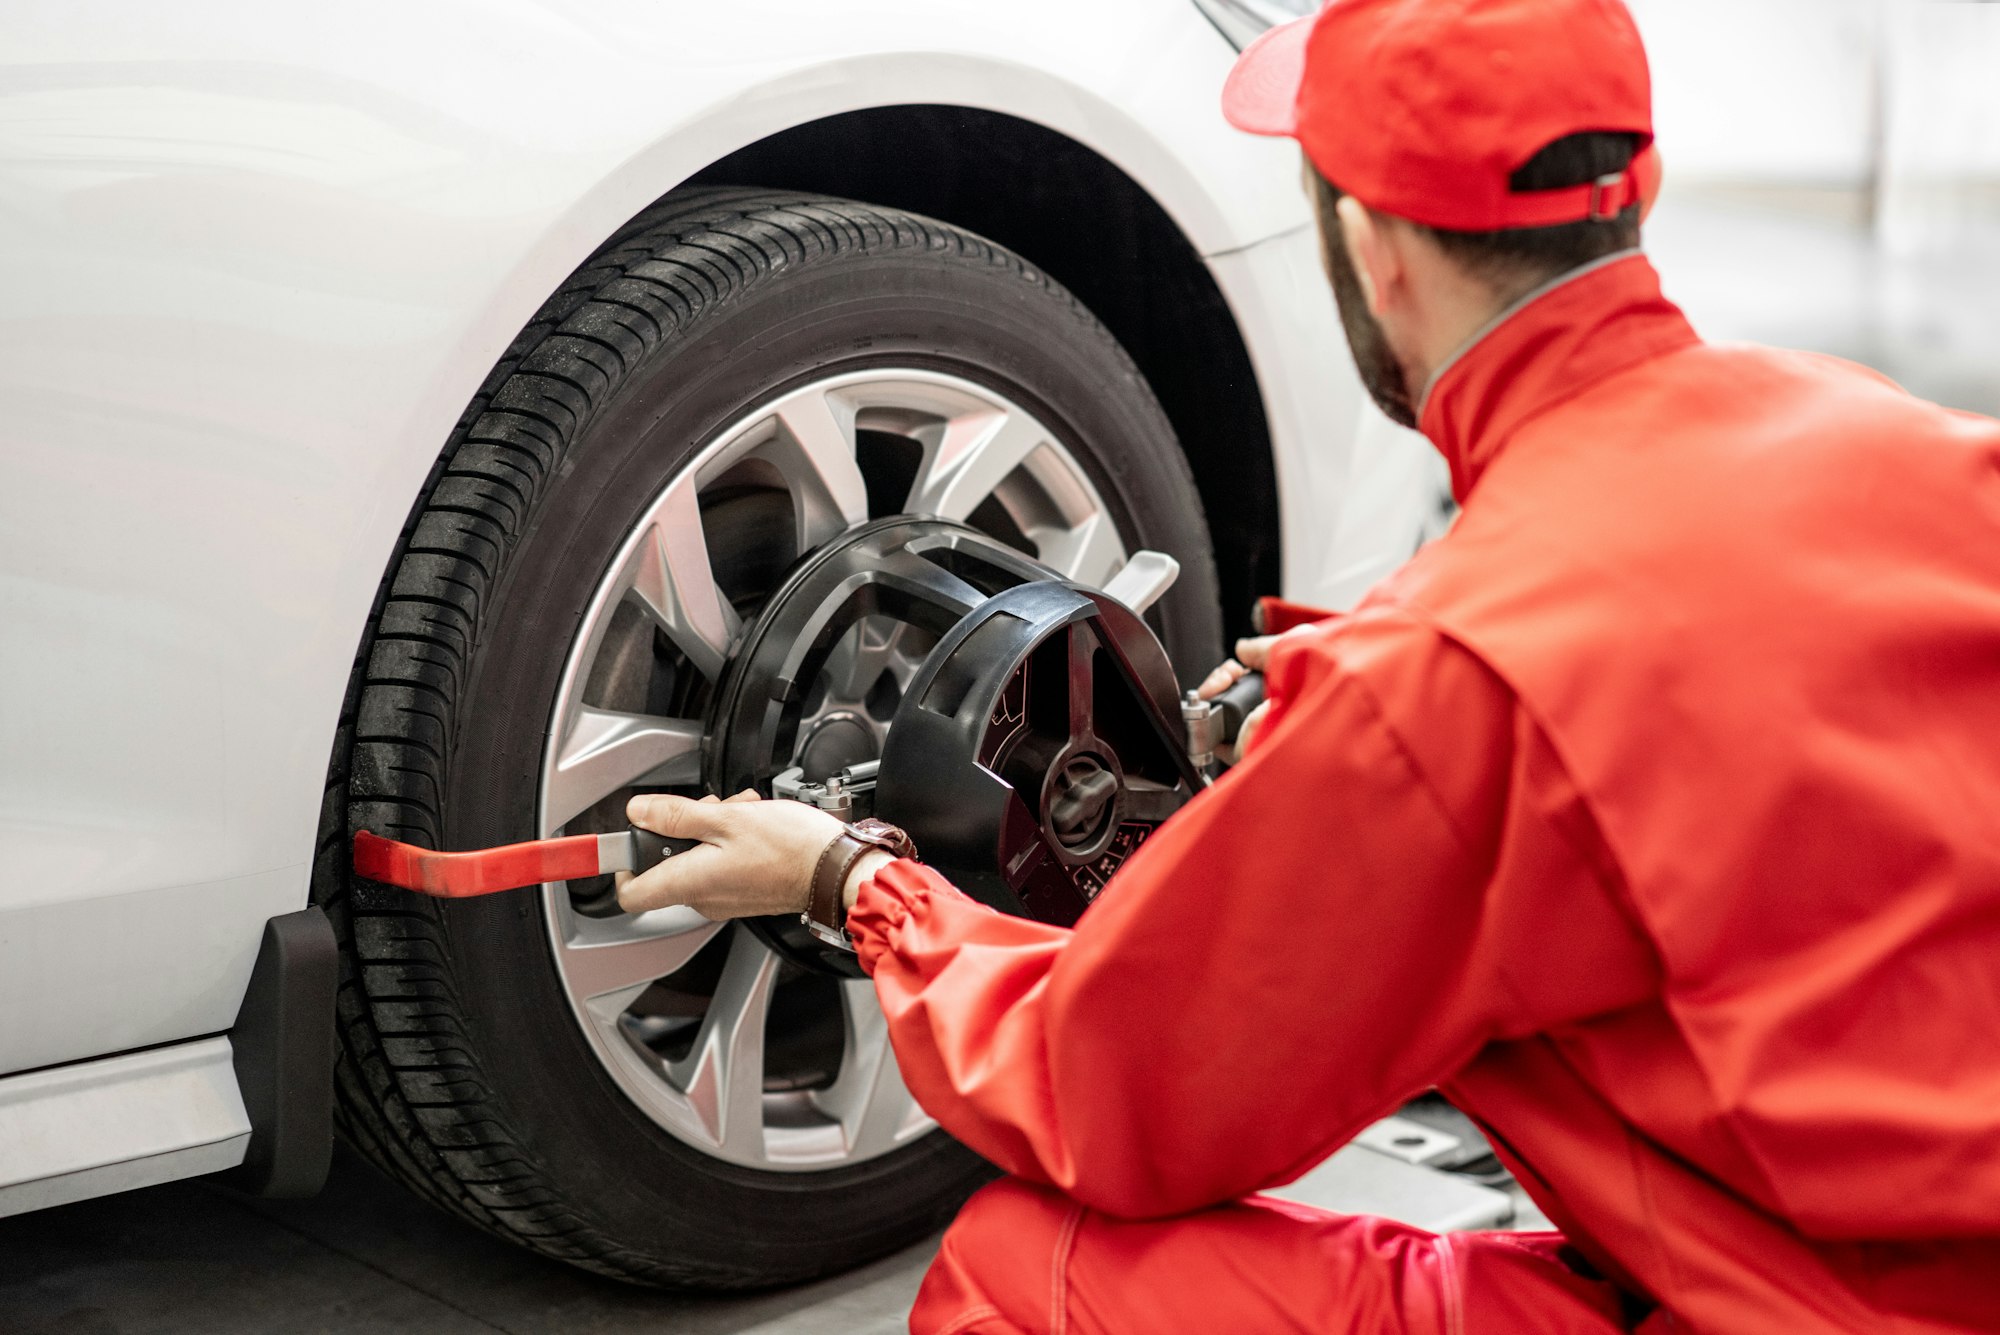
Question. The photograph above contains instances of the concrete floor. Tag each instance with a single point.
(189, 1258)
(1794, 269)
(367, 1258)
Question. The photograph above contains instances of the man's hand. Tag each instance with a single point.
(755, 857)
(1251, 655)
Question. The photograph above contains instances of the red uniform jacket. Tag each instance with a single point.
(1653, 813)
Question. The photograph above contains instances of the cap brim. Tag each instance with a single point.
(1262, 91)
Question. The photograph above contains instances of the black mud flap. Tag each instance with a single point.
(283, 1047)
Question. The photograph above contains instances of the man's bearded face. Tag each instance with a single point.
(1381, 373)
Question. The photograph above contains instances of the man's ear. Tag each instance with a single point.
(1377, 263)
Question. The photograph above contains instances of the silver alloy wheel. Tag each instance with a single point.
(712, 1091)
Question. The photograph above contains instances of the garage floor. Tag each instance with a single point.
(188, 1258)
(365, 1256)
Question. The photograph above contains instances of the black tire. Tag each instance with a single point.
(461, 1072)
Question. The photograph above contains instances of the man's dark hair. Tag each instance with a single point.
(1527, 256)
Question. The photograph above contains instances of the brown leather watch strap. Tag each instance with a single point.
(826, 902)
(826, 907)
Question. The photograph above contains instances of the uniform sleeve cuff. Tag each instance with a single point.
(889, 900)
(1275, 616)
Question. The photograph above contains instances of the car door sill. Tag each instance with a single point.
(71, 1132)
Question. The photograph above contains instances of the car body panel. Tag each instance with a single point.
(256, 261)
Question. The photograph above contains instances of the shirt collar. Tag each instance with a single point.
(1547, 346)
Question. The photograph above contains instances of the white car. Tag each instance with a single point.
(406, 403)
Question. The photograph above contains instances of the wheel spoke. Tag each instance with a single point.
(816, 455)
(606, 964)
(872, 1104)
(1087, 552)
(723, 1074)
(973, 456)
(606, 750)
(860, 659)
(673, 582)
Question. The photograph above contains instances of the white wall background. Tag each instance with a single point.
(1833, 179)
(1896, 99)
(1763, 90)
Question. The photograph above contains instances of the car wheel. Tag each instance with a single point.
(733, 381)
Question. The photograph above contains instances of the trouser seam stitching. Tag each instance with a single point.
(1449, 1281)
(1059, 1272)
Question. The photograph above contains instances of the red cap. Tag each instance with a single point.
(1424, 108)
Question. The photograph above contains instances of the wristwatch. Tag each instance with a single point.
(826, 907)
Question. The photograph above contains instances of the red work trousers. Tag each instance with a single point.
(1027, 1260)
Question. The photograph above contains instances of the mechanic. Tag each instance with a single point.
(1653, 814)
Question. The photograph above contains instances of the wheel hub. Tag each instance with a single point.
(1033, 751)
(790, 697)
